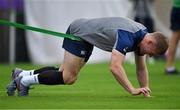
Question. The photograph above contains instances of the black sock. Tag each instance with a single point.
(41, 70)
(51, 77)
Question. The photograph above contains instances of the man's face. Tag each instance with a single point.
(152, 53)
(148, 49)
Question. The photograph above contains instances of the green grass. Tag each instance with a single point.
(96, 89)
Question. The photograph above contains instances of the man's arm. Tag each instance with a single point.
(120, 75)
(142, 72)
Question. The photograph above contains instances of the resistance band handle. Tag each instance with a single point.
(45, 31)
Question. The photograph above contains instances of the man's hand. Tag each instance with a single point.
(148, 93)
(138, 91)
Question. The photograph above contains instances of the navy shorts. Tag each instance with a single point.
(81, 48)
(175, 19)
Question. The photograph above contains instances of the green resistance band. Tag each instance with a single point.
(45, 31)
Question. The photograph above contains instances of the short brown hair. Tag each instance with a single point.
(161, 42)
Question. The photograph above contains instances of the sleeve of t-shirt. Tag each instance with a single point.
(123, 42)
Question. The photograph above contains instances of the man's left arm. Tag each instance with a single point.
(142, 72)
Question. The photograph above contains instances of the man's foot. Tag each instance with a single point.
(175, 71)
(22, 90)
(11, 88)
(15, 73)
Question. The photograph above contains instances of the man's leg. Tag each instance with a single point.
(19, 72)
(22, 73)
(173, 43)
(71, 67)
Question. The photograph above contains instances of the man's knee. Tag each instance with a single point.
(70, 79)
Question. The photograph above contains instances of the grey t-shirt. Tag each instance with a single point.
(103, 32)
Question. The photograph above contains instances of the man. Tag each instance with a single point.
(173, 43)
(116, 35)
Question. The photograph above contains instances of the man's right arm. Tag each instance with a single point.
(120, 75)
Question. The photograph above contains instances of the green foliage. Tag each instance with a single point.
(95, 88)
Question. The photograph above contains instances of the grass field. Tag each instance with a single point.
(96, 89)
